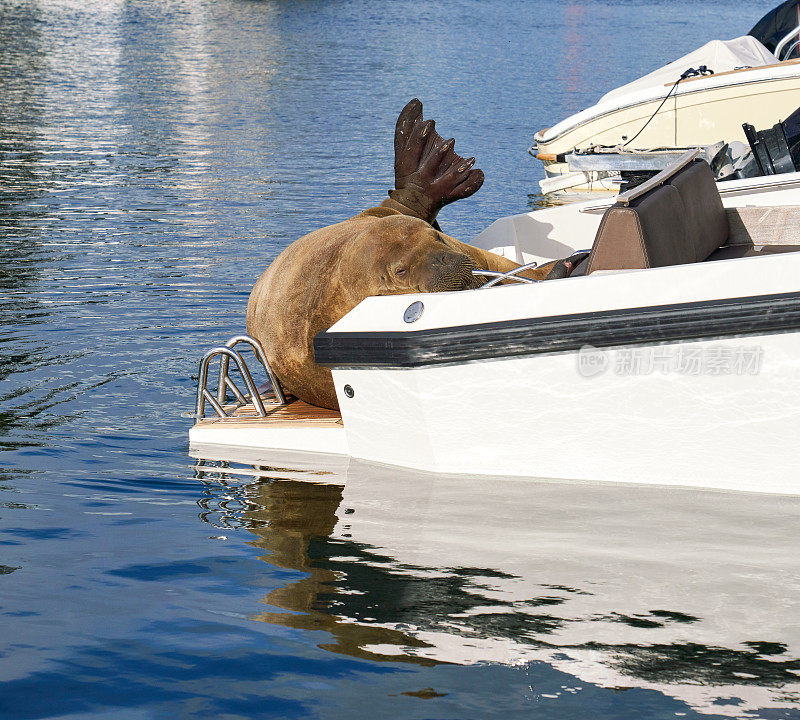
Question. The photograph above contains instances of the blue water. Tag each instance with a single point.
(154, 157)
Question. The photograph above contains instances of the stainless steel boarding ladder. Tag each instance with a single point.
(226, 353)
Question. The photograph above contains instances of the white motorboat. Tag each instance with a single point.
(669, 357)
(697, 100)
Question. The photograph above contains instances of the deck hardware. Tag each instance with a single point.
(413, 312)
(785, 41)
(628, 196)
(348, 390)
(252, 397)
(262, 358)
(792, 48)
(498, 277)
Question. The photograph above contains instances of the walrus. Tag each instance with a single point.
(395, 248)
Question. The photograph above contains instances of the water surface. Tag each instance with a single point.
(154, 156)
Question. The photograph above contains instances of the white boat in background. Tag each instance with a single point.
(674, 359)
(768, 152)
(697, 100)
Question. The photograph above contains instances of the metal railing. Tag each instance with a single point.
(498, 277)
(792, 48)
(226, 353)
(785, 41)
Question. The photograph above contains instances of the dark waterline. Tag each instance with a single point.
(154, 157)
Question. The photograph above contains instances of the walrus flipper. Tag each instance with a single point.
(428, 173)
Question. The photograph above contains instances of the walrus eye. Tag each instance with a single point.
(400, 271)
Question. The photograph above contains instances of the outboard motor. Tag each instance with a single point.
(776, 150)
(791, 127)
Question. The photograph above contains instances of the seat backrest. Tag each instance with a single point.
(675, 218)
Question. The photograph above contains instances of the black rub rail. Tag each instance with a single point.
(757, 315)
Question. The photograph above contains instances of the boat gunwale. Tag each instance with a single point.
(780, 63)
(645, 325)
(538, 138)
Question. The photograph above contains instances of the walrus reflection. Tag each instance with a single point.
(293, 525)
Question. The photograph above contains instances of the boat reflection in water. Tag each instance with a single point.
(690, 593)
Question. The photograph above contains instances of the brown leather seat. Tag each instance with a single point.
(680, 220)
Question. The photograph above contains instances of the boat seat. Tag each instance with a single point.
(675, 218)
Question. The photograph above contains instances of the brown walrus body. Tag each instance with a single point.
(319, 278)
(389, 250)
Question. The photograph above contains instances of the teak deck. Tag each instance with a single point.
(295, 413)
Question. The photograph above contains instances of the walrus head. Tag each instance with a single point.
(401, 254)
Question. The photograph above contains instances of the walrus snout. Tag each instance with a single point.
(449, 271)
(447, 258)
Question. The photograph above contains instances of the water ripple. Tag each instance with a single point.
(154, 157)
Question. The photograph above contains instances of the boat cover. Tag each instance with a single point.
(717, 55)
(772, 28)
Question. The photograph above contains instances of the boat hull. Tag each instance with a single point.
(540, 418)
(717, 408)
